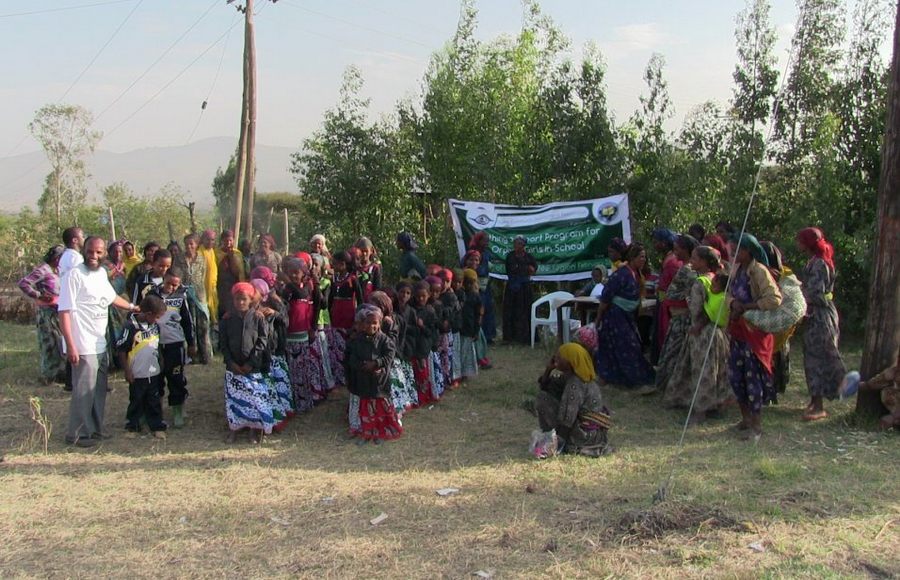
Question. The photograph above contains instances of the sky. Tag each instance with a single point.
(91, 55)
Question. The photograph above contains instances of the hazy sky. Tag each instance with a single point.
(303, 48)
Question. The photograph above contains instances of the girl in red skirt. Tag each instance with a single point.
(367, 363)
(344, 297)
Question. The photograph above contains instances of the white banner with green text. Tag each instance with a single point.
(567, 238)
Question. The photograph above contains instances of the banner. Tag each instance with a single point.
(567, 238)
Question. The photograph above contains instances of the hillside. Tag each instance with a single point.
(191, 167)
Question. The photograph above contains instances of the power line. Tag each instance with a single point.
(213, 86)
(663, 490)
(361, 26)
(63, 8)
(175, 78)
(155, 62)
(99, 52)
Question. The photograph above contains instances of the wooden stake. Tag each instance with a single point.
(112, 225)
(883, 320)
(269, 222)
(287, 234)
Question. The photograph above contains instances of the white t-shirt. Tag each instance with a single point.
(87, 295)
(69, 260)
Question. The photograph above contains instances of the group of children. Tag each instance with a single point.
(291, 337)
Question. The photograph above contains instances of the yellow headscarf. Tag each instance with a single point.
(580, 359)
(470, 274)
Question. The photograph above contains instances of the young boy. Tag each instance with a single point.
(138, 351)
(716, 305)
(152, 278)
(175, 327)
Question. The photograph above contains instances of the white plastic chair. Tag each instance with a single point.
(553, 300)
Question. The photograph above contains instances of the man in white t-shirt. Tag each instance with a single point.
(84, 299)
(73, 238)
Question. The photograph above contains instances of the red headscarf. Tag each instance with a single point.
(478, 241)
(307, 259)
(814, 240)
(716, 241)
(245, 288)
(471, 253)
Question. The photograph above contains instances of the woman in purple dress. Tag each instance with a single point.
(619, 357)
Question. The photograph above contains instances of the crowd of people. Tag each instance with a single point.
(712, 328)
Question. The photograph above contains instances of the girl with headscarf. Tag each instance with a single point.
(230, 268)
(571, 403)
(517, 296)
(822, 360)
(244, 344)
(620, 359)
(42, 286)
(674, 316)
(207, 251)
(480, 243)
(411, 267)
(751, 349)
(266, 254)
(130, 258)
(689, 371)
(306, 360)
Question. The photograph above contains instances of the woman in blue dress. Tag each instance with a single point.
(620, 359)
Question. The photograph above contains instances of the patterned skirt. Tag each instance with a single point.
(750, 380)
(306, 364)
(353, 415)
(438, 384)
(455, 363)
(248, 402)
(50, 340)
(424, 380)
(378, 420)
(326, 356)
(403, 387)
(337, 344)
(280, 380)
(443, 351)
(468, 360)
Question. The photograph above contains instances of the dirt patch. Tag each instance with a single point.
(669, 518)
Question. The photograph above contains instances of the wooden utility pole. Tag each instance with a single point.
(241, 169)
(250, 167)
(883, 320)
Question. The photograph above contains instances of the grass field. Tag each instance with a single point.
(811, 500)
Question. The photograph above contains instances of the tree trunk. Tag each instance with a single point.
(239, 176)
(883, 320)
(250, 169)
(287, 234)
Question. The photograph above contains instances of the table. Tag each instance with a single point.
(647, 304)
(562, 326)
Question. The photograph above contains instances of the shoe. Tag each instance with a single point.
(102, 436)
(178, 416)
(83, 442)
(159, 435)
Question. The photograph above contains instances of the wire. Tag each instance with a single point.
(63, 8)
(212, 87)
(156, 62)
(99, 52)
(663, 490)
(171, 82)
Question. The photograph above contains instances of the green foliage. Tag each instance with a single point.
(516, 120)
(65, 134)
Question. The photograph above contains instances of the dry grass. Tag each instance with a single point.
(820, 500)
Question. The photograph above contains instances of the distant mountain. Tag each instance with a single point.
(191, 167)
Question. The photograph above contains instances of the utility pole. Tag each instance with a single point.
(241, 170)
(883, 320)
